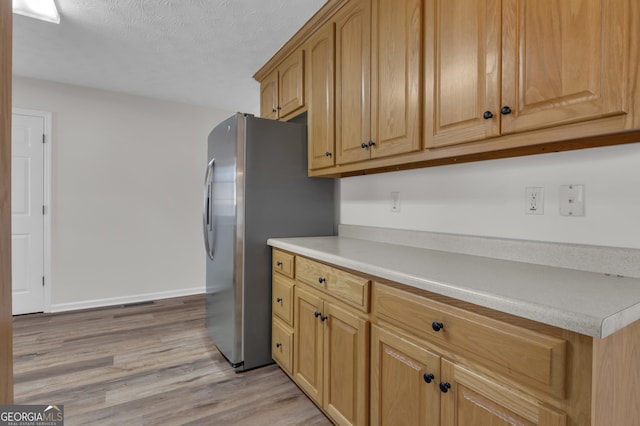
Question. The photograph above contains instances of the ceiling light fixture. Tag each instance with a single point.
(45, 10)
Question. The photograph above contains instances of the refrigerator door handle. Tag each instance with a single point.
(207, 210)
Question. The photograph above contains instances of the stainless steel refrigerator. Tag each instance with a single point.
(256, 187)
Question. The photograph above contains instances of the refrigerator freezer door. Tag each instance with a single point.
(224, 269)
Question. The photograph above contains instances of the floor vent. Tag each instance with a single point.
(133, 305)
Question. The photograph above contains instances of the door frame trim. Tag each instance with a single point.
(46, 173)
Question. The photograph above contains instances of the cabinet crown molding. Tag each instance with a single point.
(319, 18)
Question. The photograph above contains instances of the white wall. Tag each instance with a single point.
(487, 198)
(126, 192)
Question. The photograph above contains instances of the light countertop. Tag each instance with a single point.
(590, 303)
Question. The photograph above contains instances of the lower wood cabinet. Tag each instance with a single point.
(436, 364)
(469, 398)
(404, 381)
(308, 344)
(532, 358)
(331, 347)
(411, 385)
(381, 353)
(282, 345)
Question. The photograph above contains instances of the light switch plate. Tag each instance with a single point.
(572, 200)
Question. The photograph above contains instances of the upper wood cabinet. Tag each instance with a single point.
(378, 79)
(353, 79)
(320, 54)
(466, 80)
(495, 68)
(396, 76)
(269, 96)
(282, 92)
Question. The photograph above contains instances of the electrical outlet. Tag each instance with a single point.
(534, 200)
(395, 201)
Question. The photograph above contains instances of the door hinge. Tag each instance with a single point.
(43, 281)
(43, 138)
(43, 210)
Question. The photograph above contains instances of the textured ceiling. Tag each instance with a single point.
(202, 52)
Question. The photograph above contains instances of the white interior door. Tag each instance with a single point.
(27, 216)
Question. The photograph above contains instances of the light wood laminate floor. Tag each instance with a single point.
(146, 365)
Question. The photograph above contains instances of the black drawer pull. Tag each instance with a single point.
(437, 326)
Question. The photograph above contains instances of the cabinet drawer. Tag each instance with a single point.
(282, 298)
(345, 286)
(532, 358)
(282, 345)
(283, 262)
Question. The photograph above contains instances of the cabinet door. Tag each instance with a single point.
(462, 74)
(269, 97)
(346, 345)
(320, 104)
(353, 107)
(475, 400)
(562, 61)
(400, 395)
(291, 84)
(396, 76)
(308, 341)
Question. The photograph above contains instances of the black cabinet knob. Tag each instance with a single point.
(322, 280)
(316, 314)
(278, 345)
(487, 115)
(428, 377)
(364, 145)
(279, 263)
(444, 387)
(437, 326)
(327, 154)
(279, 299)
(371, 143)
(323, 318)
(279, 108)
(505, 110)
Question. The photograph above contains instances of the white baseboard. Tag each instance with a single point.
(99, 303)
